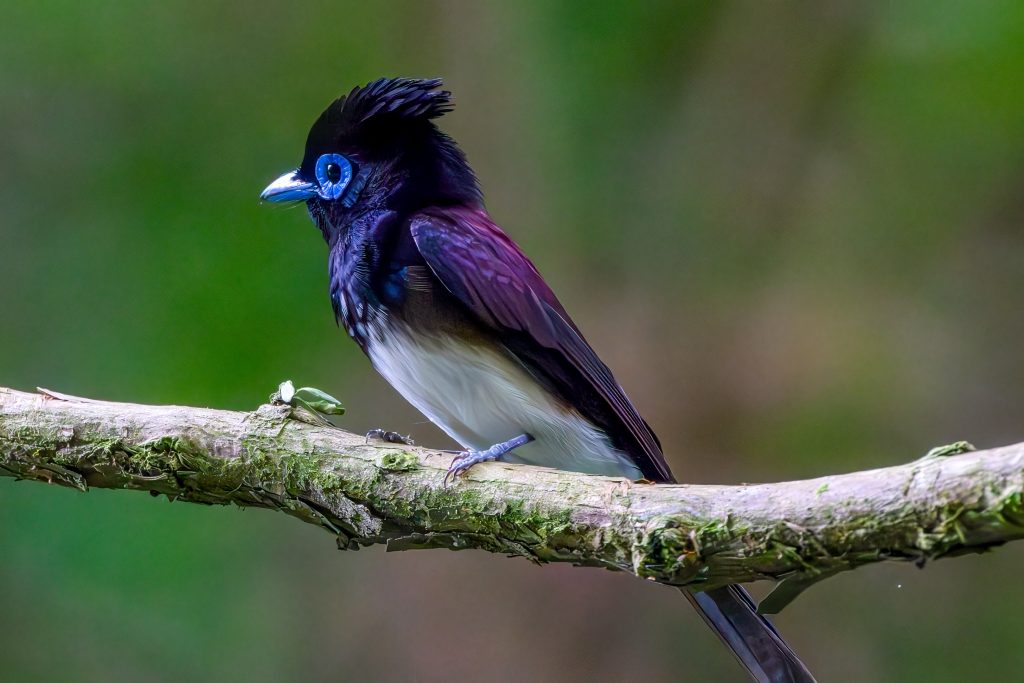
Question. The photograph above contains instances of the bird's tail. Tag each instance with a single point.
(731, 612)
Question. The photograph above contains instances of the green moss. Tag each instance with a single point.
(398, 461)
(446, 507)
(1011, 510)
(669, 551)
(949, 449)
(527, 524)
(304, 471)
(715, 531)
(263, 466)
(34, 442)
(32, 435)
(793, 555)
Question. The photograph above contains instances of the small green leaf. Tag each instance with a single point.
(318, 400)
(949, 449)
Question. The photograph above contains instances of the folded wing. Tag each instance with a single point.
(485, 270)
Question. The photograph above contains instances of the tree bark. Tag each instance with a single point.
(695, 536)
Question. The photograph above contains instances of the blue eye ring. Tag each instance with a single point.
(333, 173)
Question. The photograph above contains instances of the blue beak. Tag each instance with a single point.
(288, 188)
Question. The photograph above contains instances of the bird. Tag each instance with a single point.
(452, 313)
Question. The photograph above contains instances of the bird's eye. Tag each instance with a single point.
(333, 173)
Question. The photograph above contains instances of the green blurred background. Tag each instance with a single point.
(793, 229)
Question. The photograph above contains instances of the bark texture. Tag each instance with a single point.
(945, 504)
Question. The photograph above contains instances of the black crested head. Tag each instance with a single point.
(377, 116)
(378, 148)
(398, 156)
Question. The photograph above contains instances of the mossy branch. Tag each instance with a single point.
(697, 536)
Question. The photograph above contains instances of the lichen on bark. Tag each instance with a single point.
(954, 500)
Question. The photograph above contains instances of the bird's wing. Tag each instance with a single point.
(486, 271)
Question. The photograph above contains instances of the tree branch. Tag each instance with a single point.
(697, 536)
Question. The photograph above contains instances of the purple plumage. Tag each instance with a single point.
(454, 315)
(499, 286)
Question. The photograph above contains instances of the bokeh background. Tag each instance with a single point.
(793, 229)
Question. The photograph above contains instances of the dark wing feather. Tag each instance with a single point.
(485, 270)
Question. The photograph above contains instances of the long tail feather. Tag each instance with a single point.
(731, 612)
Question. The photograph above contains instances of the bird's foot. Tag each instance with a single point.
(388, 437)
(466, 459)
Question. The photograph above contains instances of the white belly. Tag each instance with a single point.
(481, 397)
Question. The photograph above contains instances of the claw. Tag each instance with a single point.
(389, 437)
(466, 459)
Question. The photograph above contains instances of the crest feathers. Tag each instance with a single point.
(375, 112)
